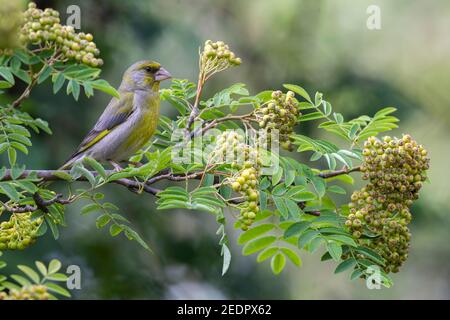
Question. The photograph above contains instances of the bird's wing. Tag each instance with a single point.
(116, 113)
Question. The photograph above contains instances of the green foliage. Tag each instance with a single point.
(295, 208)
(15, 134)
(223, 242)
(78, 76)
(43, 278)
(203, 199)
(178, 95)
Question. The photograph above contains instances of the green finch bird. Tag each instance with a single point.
(129, 122)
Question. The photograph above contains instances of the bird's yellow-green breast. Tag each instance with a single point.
(146, 124)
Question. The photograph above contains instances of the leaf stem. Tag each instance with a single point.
(34, 78)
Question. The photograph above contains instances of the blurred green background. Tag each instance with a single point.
(321, 45)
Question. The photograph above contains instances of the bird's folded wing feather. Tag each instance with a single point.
(116, 113)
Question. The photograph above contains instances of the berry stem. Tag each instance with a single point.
(195, 110)
(34, 77)
(344, 170)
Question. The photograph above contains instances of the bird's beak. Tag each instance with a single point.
(162, 74)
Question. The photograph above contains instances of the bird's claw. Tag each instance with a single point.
(116, 166)
(135, 163)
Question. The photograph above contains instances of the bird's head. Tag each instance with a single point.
(144, 75)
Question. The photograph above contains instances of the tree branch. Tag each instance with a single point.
(41, 204)
(173, 177)
(302, 205)
(132, 185)
(26, 93)
(345, 170)
(34, 78)
(195, 110)
(52, 175)
(215, 122)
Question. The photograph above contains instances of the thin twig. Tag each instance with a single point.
(195, 109)
(211, 124)
(26, 93)
(34, 78)
(173, 177)
(52, 175)
(345, 170)
(41, 204)
(133, 185)
(302, 205)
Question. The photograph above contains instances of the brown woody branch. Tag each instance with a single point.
(41, 204)
(26, 93)
(302, 205)
(195, 109)
(165, 175)
(213, 123)
(133, 185)
(34, 78)
(330, 174)
(52, 175)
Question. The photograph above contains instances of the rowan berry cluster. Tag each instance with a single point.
(217, 56)
(232, 149)
(280, 113)
(19, 231)
(43, 28)
(246, 183)
(32, 292)
(396, 169)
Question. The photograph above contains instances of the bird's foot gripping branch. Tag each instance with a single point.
(219, 155)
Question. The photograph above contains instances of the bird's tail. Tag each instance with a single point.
(69, 163)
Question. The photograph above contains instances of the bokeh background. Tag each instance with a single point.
(322, 45)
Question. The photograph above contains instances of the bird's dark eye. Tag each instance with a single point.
(151, 69)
